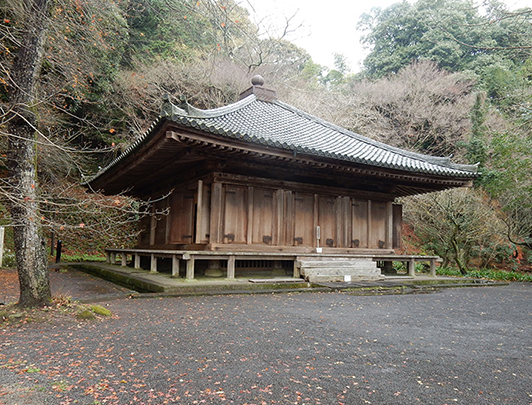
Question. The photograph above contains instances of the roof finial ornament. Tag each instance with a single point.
(257, 80)
(257, 88)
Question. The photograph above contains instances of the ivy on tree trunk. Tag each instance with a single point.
(22, 159)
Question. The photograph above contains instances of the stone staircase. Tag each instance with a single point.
(330, 269)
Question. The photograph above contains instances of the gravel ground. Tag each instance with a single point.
(71, 283)
(457, 346)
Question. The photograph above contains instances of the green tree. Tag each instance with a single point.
(456, 34)
(509, 181)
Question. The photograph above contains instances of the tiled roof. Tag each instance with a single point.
(272, 123)
(279, 125)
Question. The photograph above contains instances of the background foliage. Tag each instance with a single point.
(451, 77)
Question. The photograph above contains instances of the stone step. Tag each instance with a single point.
(338, 269)
(324, 264)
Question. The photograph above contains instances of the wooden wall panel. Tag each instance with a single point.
(359, 227)
(204, 220)
(215, 227)
(263, 216)
(327, 213)
(235, 214)
(144, 228)
(378, 225)
(182, 210)
(303, 220)
(397, 226)
(344, 222)
(161, 223)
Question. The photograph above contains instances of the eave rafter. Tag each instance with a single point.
(233, 147)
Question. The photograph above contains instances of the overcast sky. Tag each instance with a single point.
(328, 27)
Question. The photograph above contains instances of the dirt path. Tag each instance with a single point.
(458, 346)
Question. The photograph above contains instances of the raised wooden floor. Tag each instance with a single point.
(312, 266)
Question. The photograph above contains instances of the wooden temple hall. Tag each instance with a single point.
(261, 185)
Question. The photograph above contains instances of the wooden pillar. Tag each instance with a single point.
(113, 258)
(316, 220)
(249, 230)
(216, 213)
(199, 213)
(153, 264)
(370, 234)
(412, 267)
(433, 267)
(297, 273)
(190, 268)
(231, 268)
(175, 266)
(280, 234)
(123, 257)
(347, 221)
(289, 219)
(153, 227)
(137, 261)
(389, 225)
(108, 257)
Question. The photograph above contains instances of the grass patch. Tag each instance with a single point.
(488, 274)
(61, 308)
(76, 258)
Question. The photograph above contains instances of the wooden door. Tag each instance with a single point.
(359, 218)
(263, 216)
(304, 233)
(161, 220)
(182, 217)
(327, 221)
(235, 214)
(378, 224)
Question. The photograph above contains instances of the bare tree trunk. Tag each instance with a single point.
(22, 160)
(457, 256)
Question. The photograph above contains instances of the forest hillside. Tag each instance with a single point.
(452, 77)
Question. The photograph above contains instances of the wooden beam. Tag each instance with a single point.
(348, 222)
(190, 269)
(175, 266)
(370, 233)
(289, 219)
(412, 267)
(216, 213)
(231, 268)
(153, 265)
(249, 230)
(153, 226)
(389, 225)
(199, 213)
(280, 217)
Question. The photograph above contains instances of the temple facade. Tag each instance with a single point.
(262, 177)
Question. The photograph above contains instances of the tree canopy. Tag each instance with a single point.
(442, 77)
(459, 35)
